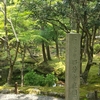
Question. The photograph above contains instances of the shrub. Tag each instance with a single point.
(50, 79)
(41, 80)
(31, 78)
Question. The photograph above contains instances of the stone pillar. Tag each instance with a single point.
(72, 71)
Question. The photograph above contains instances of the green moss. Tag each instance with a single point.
(84, 89)
(59, 67)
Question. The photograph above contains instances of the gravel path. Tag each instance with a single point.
(26, 97)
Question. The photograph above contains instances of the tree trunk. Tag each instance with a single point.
(89, 51)
(57, 48)
(12, 63)
(89, 56)
(85, 74)
(7, 45)
(10, 74)
(48, 52)
(22, 76)
(56, 42)
(44, 53)
(23, 65)
(88, 66)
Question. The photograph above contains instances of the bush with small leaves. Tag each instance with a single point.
(31, 78)
(50, 79)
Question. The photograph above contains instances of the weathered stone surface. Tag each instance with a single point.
(72, 74)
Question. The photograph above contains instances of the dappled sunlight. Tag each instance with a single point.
(1, 87)
(33, 91)
(59, 68)
(60, 65)
(97, 85)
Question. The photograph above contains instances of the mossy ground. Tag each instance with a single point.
(84, 89)
(92, 85)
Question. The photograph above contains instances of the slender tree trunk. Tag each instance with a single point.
(12, 65)
(87, 69)
(23, 65)
(44, 53)
(11, 62)
(7, 45)
(56, 42)
(89, 44)
(90, 52)
(22, 76)
(89, 56)
(10, 74)
(48, 52)
(57, 48)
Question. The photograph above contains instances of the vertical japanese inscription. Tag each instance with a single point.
(72, 67)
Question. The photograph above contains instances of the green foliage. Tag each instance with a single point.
(96, 48)
(32, 78)
(50, 79)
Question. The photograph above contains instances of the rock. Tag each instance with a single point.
(5, 91)
(92, 95)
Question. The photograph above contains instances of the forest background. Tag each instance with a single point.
(33, 38)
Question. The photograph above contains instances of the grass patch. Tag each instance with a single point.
(57, 64)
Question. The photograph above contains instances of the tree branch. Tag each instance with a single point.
(31, 54)
(9, 20)
(2, 10)
(2, 39)
(59, 23)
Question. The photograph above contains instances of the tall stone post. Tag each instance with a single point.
(72, 71)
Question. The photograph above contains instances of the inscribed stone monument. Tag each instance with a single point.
(72, 74)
